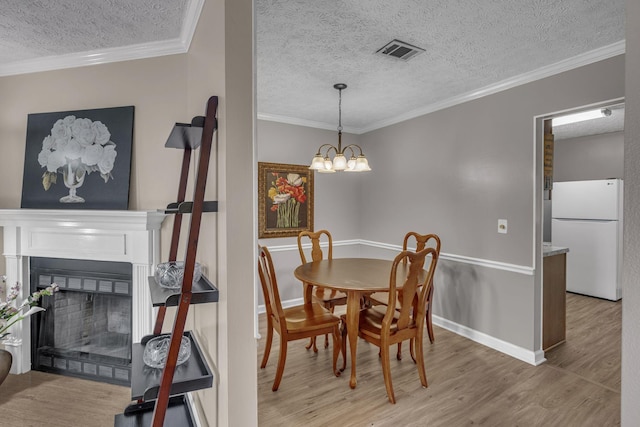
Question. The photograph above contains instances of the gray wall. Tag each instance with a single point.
(455, 172)
(589, 157)
(631, 268)
(336, 196)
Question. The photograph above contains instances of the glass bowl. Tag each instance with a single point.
(170, 274)
(157, 349)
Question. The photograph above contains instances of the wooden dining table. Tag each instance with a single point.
(355, 277)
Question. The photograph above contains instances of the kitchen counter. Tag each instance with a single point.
(554, 291)
(550, 250)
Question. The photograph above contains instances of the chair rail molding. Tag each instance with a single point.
(514, 268)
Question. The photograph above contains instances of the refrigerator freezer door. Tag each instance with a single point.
(598, 199)
(592, 261)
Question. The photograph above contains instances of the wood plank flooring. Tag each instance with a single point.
(469, 384)
(38, 399)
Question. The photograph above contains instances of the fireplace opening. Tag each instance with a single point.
(86, 328)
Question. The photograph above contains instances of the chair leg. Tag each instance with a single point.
(329, 307)
(267, 346)
(312, 343)
(386, 373)
(281, 359)
(337, 347)
(412, 349)
(420, 362)
(343, 329)
(430, 327)
(399, 355)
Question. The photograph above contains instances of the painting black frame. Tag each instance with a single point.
(98, 194)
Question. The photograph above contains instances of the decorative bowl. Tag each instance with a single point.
(157, 349)
(170, 274)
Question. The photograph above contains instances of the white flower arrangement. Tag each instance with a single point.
(11, 313)
(77, 144)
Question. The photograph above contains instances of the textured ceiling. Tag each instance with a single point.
(304, 47)
(37, 28)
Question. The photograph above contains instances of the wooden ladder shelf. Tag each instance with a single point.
(164, 402)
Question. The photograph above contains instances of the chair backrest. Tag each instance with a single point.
(269, 285)
(316, 250)
(415, 291)
(421, 242)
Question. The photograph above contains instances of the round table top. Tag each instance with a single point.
(355, 274)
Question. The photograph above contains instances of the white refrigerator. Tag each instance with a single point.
(587, 219)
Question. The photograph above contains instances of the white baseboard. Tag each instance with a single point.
(529, 356)
(532, 357)
(285, 304)
(194, 410)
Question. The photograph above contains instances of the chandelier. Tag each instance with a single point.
(323, 163)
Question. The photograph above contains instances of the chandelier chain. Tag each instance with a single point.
(340, 110)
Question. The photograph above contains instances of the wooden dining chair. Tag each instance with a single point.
(293, 323)
(386, 325)
(421, 241)
(328, 298)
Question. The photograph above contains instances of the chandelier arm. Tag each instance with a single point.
(328, 149)
(350, 146)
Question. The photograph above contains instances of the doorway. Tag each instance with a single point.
(583, 151)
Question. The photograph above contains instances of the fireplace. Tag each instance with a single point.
(86, 328)
(131, 238)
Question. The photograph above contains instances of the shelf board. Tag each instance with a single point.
(186, 135)
(187, 207)
(202, 292)
(141, 415)
(194, 374)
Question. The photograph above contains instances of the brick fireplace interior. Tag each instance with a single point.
(86, 330)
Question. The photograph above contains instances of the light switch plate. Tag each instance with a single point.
(502, 226)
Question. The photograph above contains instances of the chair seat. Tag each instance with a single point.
(329, 296)
(371, 321)
(309, 317)
(381, 298)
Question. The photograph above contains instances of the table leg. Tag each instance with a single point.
(353, 312)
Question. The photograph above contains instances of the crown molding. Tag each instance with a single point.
(116, 54)
(577, 61)
(568, 64)
(307, 123)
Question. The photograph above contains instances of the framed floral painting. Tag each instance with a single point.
(78, 159)
(285, 200)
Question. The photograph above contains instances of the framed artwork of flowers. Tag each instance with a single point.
(285, 200)
(78, 159)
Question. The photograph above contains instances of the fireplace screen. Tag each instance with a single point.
(86, 328)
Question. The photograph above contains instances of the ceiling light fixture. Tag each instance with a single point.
(580, 117)
(324, 164)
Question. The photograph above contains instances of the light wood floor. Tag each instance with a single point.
(38, 399)
(469, 384)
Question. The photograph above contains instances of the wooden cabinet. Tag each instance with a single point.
(554, 300)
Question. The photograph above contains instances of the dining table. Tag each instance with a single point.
(356, 277)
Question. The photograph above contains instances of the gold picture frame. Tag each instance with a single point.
(285, 200)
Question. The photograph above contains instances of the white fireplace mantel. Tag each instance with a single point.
(124, 236)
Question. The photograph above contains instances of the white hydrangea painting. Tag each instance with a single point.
(76, 152)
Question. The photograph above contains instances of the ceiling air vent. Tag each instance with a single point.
(400, 50)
